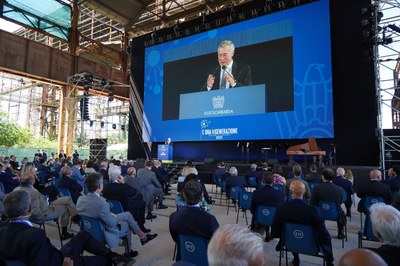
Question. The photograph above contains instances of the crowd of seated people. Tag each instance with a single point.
(143, 188)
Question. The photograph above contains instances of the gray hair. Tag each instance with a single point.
(233, 244)
(253, 166)
(340, 171)
(233, 171)
(16, 204)
(386, 220)
(226, 43)
(114, 172)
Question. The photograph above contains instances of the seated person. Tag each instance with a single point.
(9, 180)
(130, 198)
(361, 257)
(162, 176)
(72, 185)
(233, 244)
(63, 206)
(21, 241)
(203, 202)
(385, 221)
(192, 220)
(234, 180)
(93, 205)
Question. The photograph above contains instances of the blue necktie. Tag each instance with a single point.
(223, 81)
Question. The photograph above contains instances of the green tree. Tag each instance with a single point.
(11, 134)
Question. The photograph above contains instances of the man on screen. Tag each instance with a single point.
(232, 74)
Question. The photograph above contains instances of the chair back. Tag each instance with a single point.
(234, 192)
(329, 210)
(371, 200)
(252, 181)
(193, 249)
(245, 199)
(300, 238)
(278, 187)
(64, 192)
(115, 206)
(312, 186)
(94, 227)
(367, 231)
(265, 214)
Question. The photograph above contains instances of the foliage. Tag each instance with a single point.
(11, 134)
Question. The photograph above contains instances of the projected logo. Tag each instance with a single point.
(218, 102)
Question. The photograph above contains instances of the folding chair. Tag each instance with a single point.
(245, 199)
(252, 182)
(234, 196)
(115, 206)
(41, 224)
(64, 192)
(330, 211)
(265, 214)
(366, 232)
(94, 227)
(301, 239)
(193, 249)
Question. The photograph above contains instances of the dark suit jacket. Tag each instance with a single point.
(235, 181)
(326, 191)
(28, 244)
(267, 196)
(192, 221)
(373, 188)
(241, 73)
(346, 185)
(297, 211)
(314, 178)
(74, 188)
(8, 181)
(390, 254)
(219, 172)
(395, 184)
(104, 173)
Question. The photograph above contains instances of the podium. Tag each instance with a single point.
(165, 152)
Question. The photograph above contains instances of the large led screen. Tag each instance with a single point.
(279, 84)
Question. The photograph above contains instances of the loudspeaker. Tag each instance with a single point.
(98, 148)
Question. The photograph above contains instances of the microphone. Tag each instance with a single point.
(229, 74)
(213, 74)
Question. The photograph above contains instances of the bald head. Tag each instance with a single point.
(361, 257)
(375, 175)
(297, 189)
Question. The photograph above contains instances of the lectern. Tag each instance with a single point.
(165, 152)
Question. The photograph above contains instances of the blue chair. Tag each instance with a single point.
(94, 227)
(245, 199)
(252, 182)
(222, 187)
(41, 224)
(366, 232)
(115, 206)
(278, 187)
(301, 239)
(193, 249)
(64, 192)
(234, 196)
(312, 186)
(265, 214)
(330, 211)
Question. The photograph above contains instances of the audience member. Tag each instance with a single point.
(89, 168)
(390, 175)
(234, 180)
(181, 179)
(327, 191)
(192, 220)
(298, 211)
(93, 205)
(313, 176)
(349, 175)
(62, 207)
(361, 257)
(130, 198)
(162, 176)
(395, 181)
(146, 179)
(203, 202)
(233, 244)
(385, 222)
(347, 186)
(297, 175)
(373, 188)
(21, 241)
(9, 180)
(104, 170)
(72, 185)
(253, 171)
(277, 172)
(296, 171)
(268, 196)
(76, 172)
(220, 170)
(14, 165)
(260, 174)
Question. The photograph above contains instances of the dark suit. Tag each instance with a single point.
(314, 177)
(297, 211)
(74, 188)
(235, 181)
(30, 245)
(390, 254)
(348, 187)
(104, 172)
(373, 188)
(192, 221)
(9, 183)
(266, 196)
(395, 184)
(219, 172)
(260, 174)
(241, 73)
(130, 198)
(327, 191)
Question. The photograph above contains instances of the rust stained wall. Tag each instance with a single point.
(19, 55)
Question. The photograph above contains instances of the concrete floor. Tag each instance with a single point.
(160, 251)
